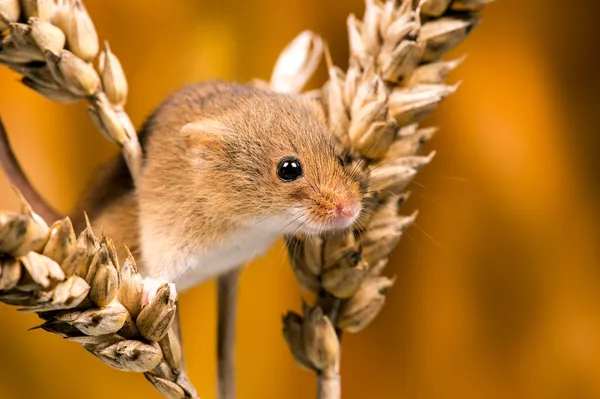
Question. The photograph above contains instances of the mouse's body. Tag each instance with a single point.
(227, 170)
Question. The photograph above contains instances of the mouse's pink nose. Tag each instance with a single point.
(347, 211)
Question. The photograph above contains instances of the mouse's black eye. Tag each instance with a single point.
(341, 161)
(289, 169)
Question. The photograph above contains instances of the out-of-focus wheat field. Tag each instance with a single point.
(498, 284)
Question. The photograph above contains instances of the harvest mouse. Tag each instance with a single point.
(227, 170)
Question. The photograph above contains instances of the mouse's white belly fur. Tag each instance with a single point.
(191, 265)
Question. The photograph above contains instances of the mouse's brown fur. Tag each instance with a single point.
(218, 177)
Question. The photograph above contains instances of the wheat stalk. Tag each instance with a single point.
(395, 78)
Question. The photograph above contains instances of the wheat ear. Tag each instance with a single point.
(77, 285)
(84, 294)
(395, 78)
(53, 44)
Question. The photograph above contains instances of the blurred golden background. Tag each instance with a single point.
(498, 285)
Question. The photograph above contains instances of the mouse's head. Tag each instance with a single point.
(271, 156)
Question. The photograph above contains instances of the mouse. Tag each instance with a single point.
(227, 170)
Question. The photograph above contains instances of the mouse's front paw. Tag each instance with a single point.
(152, 286)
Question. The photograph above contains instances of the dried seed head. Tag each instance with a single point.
(10, 273)
(313, 254)
(24, 298)
(434, 73)
(387, 209)
(87, 239)
(333, 98)
(131, 287)
(320, 340)
(435, 8)
(369, 113)
(357, 46)
(98, 321)
(113, 77)
(9, 12)
(363, 307)
(172, 351)
(19, 45)
(371, 20)
(40, 75)
(79, 77)
(13, 229)
(81, 33)
(42, 272)
(343, 257)
(380, 239)
(305, 276)
(342, 281)
(102, 278)
(130, 355)
(469, 5)
(59, 95)
(63, 12)
(12, 56)
(166, 388)
(352, 80)
(412, 104)
(375, 142)
(36, 233)
(389, 14)
(60, 328)
(61, 241)
(85, 252)
(52, 60)
(96, 342)
(369, 91)
(338, 246)
(65, 295)
(112, 254)
(155, 318)
(108, 122)
(78, 260)
(129, 329)
(20, 34)
(47, 36)
(443, 34)
(402, 28)
(297, 63)
(42, 9)
(292, 332)
(409, 142)
(399, 64)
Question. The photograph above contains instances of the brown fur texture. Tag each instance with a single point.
(198, 188)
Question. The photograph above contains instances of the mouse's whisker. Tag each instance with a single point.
(357, 167)
(302, 214)
(429, 236)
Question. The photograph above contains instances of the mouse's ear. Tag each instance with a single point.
(203, 136)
